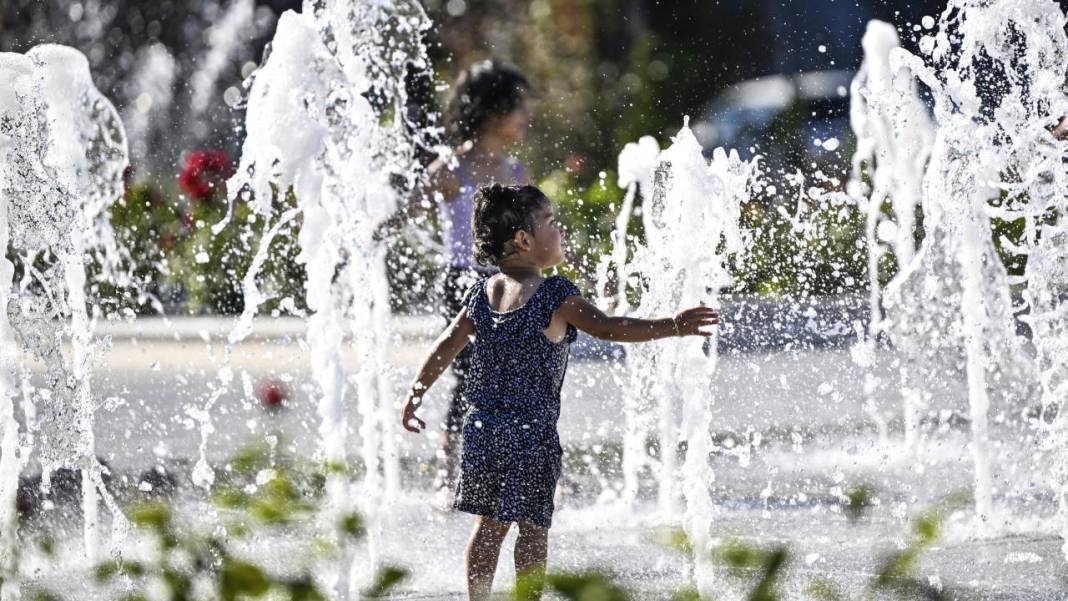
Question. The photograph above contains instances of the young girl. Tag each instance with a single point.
(520, 326)
(485, 119)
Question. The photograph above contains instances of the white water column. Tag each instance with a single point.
(16, 72)
(894, 136)
(996, 94)
(312, 130)
(63, 169)
(692, 231)
(636, 164)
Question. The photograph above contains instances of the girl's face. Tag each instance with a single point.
(512, 127)
(548, 238)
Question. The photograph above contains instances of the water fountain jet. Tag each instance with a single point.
(63, 169)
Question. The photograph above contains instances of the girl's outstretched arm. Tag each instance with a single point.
(446, 347)
(587, 317)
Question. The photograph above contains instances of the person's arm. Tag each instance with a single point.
(1061, 131)
(446, 347)
(442, 181)
(587, 317)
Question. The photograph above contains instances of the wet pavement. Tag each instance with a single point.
(793, 426)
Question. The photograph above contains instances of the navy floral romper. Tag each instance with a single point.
(511, 450)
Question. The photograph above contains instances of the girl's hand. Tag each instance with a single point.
(690, 321)
(410, 422)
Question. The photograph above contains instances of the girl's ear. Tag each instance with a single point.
(523, 240)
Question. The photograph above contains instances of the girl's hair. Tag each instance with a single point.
(483, 90)
(500, 212)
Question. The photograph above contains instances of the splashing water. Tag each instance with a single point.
(63, 164)
(991, 154)
(223, 39)
(17, 72)
(636, 161)
(312, 129)
(327, 145)
(894, 137)
(693, 200)
(152, 90)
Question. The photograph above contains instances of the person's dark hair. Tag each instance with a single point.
(500, 212)
(483, 90)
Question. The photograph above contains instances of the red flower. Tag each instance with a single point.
(205, 173)
(575, 163)
(168, 241)
(272, 392)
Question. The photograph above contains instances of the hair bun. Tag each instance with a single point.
(495, 193)
(499, 212)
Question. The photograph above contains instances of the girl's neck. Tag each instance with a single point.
(519, 269)
(490, 146)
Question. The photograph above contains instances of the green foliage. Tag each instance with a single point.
(155, 517)
(677, 539)
(529, 587)
(185, 556)
(268, 487)
(385, 581)
(768, 565)
(896, 573)
(176, 257)
(824, 590)
(303, 589)
(251, 458)
(352, 525)
(587, 215)
(586, 586)
(149, 225)
(687, 594)
(765, 567)
(107, 570)
(47, 545)
(278, 501)
(820, 250)
(241, 579)
(859, 500)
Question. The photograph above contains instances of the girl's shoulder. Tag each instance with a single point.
(558, 281)
(556, 288)
(475, 294)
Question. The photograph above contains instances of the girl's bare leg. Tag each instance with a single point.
(531, 549)
(482, 553)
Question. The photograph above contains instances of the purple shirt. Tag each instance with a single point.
(454, 215)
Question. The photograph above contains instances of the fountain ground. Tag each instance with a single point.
(822, 545)
(631, 547)
(793, 437)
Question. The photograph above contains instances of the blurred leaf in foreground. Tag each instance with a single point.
(823, 589)
(387, 578)
(677, 539)
(241, 579)
(859, 500)
(743, 560)
(586, 586)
